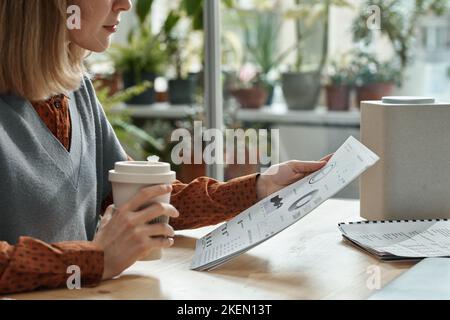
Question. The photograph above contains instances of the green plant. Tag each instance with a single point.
(145, 51)
(248, 76)
(398, 23)
(137, 142)
(142, 53)
(178, 47)
(177, 42)
(262, 30)
(305, 14)
(340, 73)
(194, 10)
(368, 70)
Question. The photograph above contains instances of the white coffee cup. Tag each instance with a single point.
(128, 177)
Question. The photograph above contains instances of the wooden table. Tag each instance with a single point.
(309, 260)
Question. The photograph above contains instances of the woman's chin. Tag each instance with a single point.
(100, 46)
(98, 41)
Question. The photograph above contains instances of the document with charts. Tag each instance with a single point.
(283, 208)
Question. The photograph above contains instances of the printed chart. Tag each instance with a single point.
(283, 208)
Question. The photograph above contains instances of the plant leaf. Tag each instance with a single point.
(192, 6)
(171, 21)
(228, 3)
(143, 9)
(138, 133)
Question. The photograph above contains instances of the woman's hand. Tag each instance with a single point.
(283, 174)
(125, 235)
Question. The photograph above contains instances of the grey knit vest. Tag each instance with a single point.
(47, 192)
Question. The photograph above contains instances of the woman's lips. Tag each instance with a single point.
(111, 29)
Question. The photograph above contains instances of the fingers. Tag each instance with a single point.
(144, 244)
(143, 196)
(156, 230)
(328, 157)
(305, 166)
(154, 243)
(154, 210)
(161, 242)
(151, 236)
(106, 216)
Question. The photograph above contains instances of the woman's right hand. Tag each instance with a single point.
(125, 235)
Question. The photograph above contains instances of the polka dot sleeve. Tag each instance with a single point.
(206, 201)
(33, 264)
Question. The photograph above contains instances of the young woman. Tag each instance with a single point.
(56, 147)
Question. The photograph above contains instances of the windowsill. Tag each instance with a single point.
(277, 113)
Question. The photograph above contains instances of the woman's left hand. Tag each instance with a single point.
(281, 175)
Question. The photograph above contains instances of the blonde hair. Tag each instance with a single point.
(37, 59)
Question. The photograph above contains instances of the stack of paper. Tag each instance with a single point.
(400, 240)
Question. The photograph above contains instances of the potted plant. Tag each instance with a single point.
(182, 88)
(248, 88)
(137, 142)
(302, 83)
(374, 79)
(142, 58)
(398, 24)
(103, 73)
(340, 80)
(262, 29)
(179, 49)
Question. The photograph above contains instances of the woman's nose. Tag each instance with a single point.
(122, 5)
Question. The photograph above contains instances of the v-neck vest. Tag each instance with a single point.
(56, 116)
(47, 192)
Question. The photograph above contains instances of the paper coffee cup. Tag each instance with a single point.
(128, 177)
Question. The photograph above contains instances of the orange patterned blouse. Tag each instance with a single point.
(32, 264)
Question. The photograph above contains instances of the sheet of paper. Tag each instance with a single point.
(280, 210)
(412, 239)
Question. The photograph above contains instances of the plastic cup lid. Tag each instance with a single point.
(142, 167)
(144, 172)
(408, 100)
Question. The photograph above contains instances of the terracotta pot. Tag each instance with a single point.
(338, 97)
(161, 96)
(112, 82)
(373, 91)
(250, 97)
